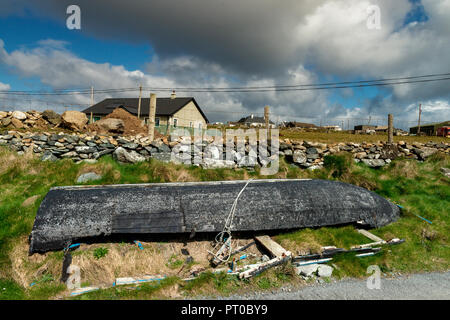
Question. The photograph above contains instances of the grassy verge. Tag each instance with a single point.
(419, 187)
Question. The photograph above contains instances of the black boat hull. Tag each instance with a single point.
(79, 212)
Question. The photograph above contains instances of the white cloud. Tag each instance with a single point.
(256, 42)
(4, 86)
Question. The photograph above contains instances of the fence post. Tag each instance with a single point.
(390, 129)
(151, 117)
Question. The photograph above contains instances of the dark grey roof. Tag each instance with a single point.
(164, 106)
(249, 119)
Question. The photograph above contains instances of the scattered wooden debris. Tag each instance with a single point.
(372, 244)
(305, 263)
(79, 291)
(260, 267)
(240, 249)
(370, 235)
(272, 247)
(131, 280)
(362, 255)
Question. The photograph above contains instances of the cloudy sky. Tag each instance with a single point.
(232, 43)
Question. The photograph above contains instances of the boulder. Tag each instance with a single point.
(111, 125)
(86, 177)
(425, 152)
(125, 156)
(307, 270)
(48, 156)
(17, 123)
(19, 115)
(374, 163)
(324, 271)
(52, 117)
(360, 155)
(74, 120)
(3, 114)
(85, 149)
(209, 163)
(6, 122)
(299, 157)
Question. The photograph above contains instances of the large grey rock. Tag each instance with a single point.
(130, 145)
(209, 163)
(74, 120)
(52, 117)
(111, 125)
(48, 156)
(78, 212)
(299, 157)
(90, 176)
(125, 156)
(374, 163)
(19, 115)
(85, 149)
(425, 152)
(307, 271)
(6, 122)
(324, 271)
(70, 154)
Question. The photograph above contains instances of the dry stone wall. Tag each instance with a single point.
(208, 153)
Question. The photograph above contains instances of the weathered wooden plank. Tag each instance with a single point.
(79, 291)
(369, 244)
(272, 247)
(370, 235)
(257, 269)
(137, 280)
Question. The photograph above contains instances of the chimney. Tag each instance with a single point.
(173, 95)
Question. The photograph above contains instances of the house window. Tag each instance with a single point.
(191, 124)
(200, 126)
(175, 122)
(157, 122)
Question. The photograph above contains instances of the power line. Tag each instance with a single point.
(298, 87)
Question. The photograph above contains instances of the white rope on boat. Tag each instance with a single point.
(223, 246)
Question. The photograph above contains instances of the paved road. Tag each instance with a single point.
(428, 286)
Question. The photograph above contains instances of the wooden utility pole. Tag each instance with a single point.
(390, 129)
(420, 113)
(266, 116)
(151, 117)
(139, 105)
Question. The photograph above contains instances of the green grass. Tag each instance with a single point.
(335, 137)
(419, 187)
(141, 292)
(100, 252)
